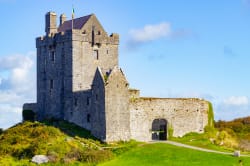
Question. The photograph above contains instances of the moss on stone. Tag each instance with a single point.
(170, 132)
(210, 115)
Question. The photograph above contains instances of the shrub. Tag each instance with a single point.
(28, 115)
(1, 131)
(225, 139)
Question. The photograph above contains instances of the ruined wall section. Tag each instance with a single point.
(117, 107)
(182, 115)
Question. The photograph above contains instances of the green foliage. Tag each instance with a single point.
(240, 126)
(105, 77)
(66, 145)
(170, 132)
(210, 115)
(28, 115)
(161, 154)
(1, 131)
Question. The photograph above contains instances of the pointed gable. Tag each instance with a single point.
(116, 76)
(85, 22)
(78, 23)
(98, 78)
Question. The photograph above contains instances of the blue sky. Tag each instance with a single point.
(168, 48)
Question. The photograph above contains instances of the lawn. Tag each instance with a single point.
(165, 154)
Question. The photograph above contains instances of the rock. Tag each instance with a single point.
(39, 159)
(237, 153)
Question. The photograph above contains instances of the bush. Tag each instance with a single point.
(1, 131)
(28, 115)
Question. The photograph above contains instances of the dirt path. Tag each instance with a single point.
(196, 148)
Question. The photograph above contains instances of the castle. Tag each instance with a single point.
(79, 80)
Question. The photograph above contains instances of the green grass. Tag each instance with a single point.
(161, 154)
(201, 140)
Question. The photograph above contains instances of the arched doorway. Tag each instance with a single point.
(159, 129)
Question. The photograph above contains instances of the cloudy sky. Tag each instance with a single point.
(168, 48)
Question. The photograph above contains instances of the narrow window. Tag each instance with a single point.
(76, 102)
(96, 97)
(107, 51)
(88, 100)
(88, 118)
(93, 36)
(51, 84)
(52, 56)
(95, 54)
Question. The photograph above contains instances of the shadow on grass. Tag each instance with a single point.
(70, 129)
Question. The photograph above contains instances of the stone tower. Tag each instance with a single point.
(68, 61)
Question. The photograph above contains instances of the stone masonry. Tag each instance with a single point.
(78, 80)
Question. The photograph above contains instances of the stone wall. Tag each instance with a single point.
(54, 75)
(30, 106)
(97, 112)
(182, 115)
(117, 107)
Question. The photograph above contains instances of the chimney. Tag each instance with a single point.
(63, 18)
(50, 23)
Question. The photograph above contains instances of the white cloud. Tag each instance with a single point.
(237, 100)
(232, 107)
(151, 32)
(17, 87)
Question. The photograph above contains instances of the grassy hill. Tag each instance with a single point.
(65, 145)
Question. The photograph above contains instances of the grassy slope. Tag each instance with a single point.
(164, 154)
(20, 143)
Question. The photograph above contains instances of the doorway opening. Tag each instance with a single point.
(159, 129)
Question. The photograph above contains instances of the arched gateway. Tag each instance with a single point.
(159, 129)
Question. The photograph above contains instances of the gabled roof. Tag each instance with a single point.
(78, 23)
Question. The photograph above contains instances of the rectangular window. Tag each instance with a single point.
(52, 56)
(88, 118)
(95, 54)
(88, 100)
(76, 102)
(51, 85)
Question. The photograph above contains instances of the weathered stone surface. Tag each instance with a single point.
(78, 80)
(39, 159)
(182, 115)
